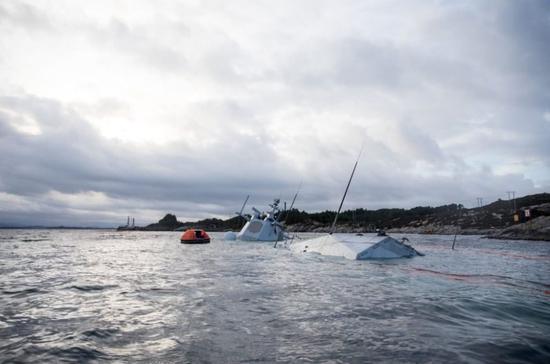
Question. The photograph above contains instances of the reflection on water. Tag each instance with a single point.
(137, 296)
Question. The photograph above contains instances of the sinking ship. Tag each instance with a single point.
(355, 247)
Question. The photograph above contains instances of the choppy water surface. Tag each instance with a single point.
(136, 296)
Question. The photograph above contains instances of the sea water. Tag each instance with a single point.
(100, 295)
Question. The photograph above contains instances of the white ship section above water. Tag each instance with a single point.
(355, 247)
(261, 226)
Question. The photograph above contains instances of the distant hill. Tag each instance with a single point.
(170, 223)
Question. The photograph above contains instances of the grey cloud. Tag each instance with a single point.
(420, 145)
(141, 42)
(350, 62)
(485, 52)
(527, 25)
(21, 14)
(515, 135)
(504, 44)
(69, 156)
(103, 107)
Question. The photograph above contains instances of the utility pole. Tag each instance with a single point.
(457, 227)
(512, 199)
(480, 202)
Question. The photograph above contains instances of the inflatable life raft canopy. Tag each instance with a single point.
(195, 236)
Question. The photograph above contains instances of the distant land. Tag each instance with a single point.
(61, 227)
(495, 220)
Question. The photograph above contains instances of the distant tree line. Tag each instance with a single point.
(496, 214)
(362, 217)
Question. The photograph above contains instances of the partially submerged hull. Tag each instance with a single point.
(355, 247)
(260, 226)
(261, 230)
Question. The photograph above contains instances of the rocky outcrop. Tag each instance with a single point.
(170, 223)
(167, 223)
(535, 229)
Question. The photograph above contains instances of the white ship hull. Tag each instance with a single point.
(355, 247)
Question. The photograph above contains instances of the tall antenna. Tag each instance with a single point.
(244, 204)
(345, 192)
(287, 212)
(240, 213)
(295, 195)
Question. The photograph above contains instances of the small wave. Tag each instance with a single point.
(22, 292)
(158, 290)
(88, 288)
(534, 351)
(29, 240)
(515, 255)
(111, 237)
(458, 276)
(483, 278)
(79, 353)
(100, 333)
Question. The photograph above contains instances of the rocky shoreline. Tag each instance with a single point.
(536, 229)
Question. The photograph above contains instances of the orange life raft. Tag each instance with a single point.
(195, 236)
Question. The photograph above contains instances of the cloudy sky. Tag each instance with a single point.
(116, 108)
